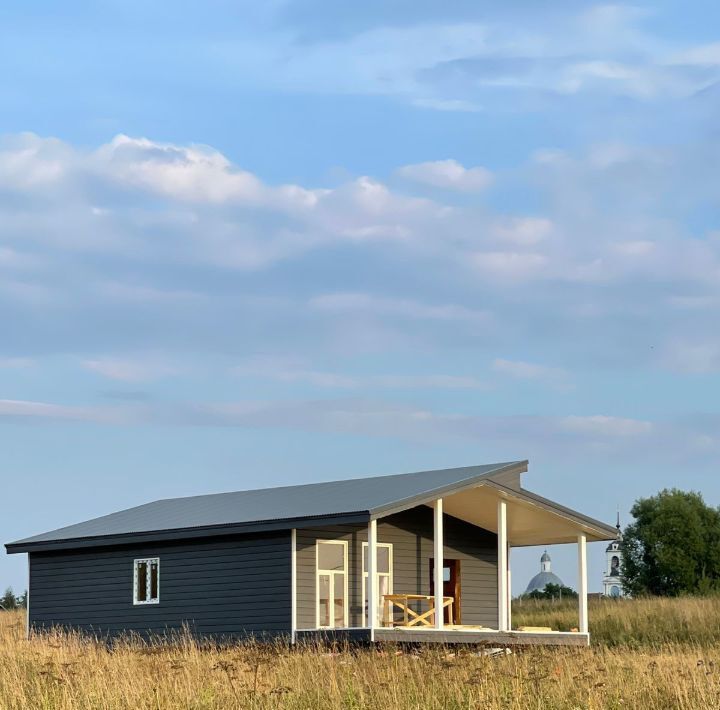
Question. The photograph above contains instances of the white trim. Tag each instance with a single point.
(582, 584)
(148, 561)
(372, 589)
(293, 584)
(331, 573)
(502, 565)
(378, 575)
(509, 591)
(438, 545)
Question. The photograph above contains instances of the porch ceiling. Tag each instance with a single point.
(528, 522)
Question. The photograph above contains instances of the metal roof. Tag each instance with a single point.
(364, 496)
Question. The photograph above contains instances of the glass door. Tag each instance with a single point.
(384, 577)
(332, 584)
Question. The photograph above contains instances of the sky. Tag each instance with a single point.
(253, 244)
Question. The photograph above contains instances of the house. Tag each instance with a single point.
(295, 561)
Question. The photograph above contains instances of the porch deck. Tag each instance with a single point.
(456, 635)
(486, 637)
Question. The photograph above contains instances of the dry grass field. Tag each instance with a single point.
(646, 654)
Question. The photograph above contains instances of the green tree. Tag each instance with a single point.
(673, 546)
(8, 600)
(553, 591)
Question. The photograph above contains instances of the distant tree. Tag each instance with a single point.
(673, 546)
(8, 600)
(22, 600)
(553, 591)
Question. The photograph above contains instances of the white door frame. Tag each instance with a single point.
(331, 574)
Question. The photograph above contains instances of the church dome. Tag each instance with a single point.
(541, 580)
(544, 577)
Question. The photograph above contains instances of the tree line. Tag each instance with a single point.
(10, 600)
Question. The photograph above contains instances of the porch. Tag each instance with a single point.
(503, 516)
(447, 636)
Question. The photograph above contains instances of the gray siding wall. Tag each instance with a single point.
(230, 586)
(411, 534)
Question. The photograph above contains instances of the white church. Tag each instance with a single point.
(612, 581)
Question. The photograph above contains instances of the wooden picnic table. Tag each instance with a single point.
(410, 616)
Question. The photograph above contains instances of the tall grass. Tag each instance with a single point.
(630, 622)
(66, 672)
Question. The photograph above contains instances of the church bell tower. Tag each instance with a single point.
(612, 581)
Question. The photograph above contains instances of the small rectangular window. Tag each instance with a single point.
(146, 581)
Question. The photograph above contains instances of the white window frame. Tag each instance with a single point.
(389, 575)
(148, 586)
(331, 573)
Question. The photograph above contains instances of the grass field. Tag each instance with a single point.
(646, 654)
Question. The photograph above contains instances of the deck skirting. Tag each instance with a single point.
(489, 637)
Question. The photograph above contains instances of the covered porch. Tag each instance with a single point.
(518, 518)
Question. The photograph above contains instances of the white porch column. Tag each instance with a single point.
(582, 583)
(509, 590)
(371, 588)
(502, 562)
(439, 563)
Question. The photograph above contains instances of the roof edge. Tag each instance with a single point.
(173, 534)
(558, 509)
(411, 501)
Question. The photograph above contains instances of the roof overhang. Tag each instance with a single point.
(531, 519)
(187, 533)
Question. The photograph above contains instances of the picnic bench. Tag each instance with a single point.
(410, 616)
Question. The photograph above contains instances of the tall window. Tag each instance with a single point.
(332, 584)
(384, 575)
(146, 581)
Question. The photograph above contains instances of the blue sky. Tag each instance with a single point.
(246, 244)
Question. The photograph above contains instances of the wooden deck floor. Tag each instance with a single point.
(470, 635)
(488, 637)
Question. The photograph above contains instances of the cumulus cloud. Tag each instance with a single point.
(448, 174)
(139, 246)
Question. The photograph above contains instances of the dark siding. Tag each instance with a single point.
(230, 586)
(411, 534)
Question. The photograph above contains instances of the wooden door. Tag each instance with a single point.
(451, 586)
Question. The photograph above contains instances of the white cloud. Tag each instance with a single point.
(139, 370)
(289, 372)
(45, 410)
(16, 362)
(448, 174)
(528, 370)
(524, 231)
(509, 264)
(602, 425)
(692, 355)
(365, 303)
(549, 438)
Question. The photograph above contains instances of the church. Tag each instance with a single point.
(544, 577)
(612, 581)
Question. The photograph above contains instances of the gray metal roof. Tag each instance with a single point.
(367, 496)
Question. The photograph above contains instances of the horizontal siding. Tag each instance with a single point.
(237, 586)
(411, 534)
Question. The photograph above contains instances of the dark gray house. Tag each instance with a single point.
(296, 561)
